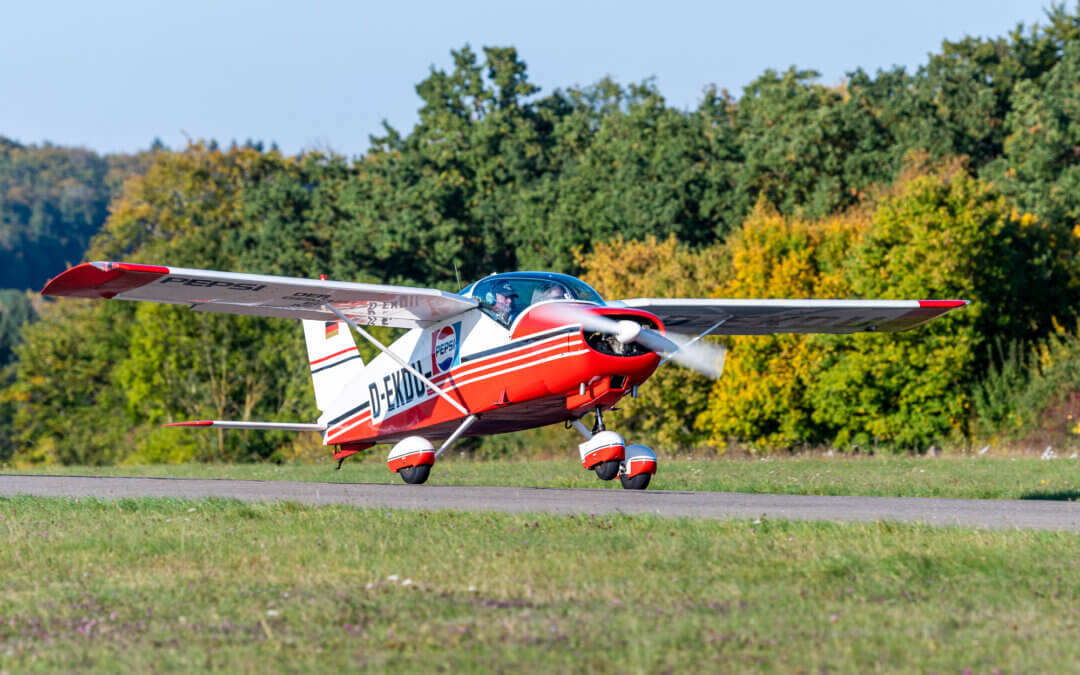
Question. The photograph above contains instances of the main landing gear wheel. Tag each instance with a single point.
(608, 470)
(415, 475)
(411, 458)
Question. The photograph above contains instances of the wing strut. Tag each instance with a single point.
(400, 361)
(457, 434)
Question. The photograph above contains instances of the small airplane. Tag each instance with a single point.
(510, 352)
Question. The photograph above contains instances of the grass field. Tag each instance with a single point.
(987, 478)
(158, 585)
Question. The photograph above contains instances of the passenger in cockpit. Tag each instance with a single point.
(549, 292)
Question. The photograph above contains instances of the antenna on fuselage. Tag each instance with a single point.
(457, 274)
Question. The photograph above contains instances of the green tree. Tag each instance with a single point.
(1040, 165)
(184, 365)
(68, 407)
(808, 149)
(796, 188)
(15, 310)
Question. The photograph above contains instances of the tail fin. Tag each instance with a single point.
(333, 358)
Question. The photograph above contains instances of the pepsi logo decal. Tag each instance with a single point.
(444, 348)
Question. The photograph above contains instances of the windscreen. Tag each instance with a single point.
(505, 297)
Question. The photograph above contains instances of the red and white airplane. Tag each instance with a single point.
(510, 352)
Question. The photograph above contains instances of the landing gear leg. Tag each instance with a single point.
(465, 424)
(598, 425)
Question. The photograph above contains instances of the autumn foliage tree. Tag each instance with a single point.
(939, 233)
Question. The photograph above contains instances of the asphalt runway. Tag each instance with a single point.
(983, 513)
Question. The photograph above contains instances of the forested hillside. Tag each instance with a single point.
(52, 201)
(961, 179)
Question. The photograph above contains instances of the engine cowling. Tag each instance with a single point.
(409, 452)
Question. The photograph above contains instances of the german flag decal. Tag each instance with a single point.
(331, 329)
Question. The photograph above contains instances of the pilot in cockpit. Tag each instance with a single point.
(501, 300)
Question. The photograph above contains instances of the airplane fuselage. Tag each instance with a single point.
(516, 377)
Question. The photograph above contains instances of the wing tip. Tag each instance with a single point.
(943, 304)
(192, 423)
(102, 279)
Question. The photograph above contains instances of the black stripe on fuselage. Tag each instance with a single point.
(520, 343)
(349, 414)
(332, 365)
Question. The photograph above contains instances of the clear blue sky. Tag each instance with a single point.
(113, 75)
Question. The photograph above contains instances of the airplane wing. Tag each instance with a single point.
(760, 317)
(259, 295)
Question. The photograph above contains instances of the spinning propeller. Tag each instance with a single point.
(705, 358)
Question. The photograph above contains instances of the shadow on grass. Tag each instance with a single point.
(1057, 496)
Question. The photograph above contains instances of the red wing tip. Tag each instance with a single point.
(949, 304)
(102, 279)
(193, 423)
(136, 267)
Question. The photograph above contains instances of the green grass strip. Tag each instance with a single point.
(159, 585)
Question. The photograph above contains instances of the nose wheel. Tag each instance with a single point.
(638, 482)
(638, 467)
(607, 455)
(608, 470)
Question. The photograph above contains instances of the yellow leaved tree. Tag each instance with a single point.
(938, 233)
(670, 402)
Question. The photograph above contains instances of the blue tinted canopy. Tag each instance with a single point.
(504, 296)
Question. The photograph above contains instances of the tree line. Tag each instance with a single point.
(958, 179)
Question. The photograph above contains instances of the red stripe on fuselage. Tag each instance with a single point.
(348, 424)
(327, 358)
(509, 358)
(510, 354)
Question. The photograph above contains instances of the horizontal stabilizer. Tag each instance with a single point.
(265, 426)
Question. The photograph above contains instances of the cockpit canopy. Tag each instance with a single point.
(504, 296)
